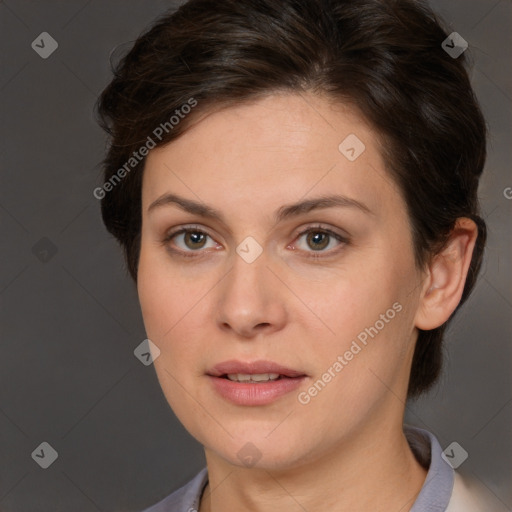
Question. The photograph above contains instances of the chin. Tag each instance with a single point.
(254, 450)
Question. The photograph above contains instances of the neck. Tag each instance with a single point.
(372, 470)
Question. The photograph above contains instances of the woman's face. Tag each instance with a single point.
(325, 292)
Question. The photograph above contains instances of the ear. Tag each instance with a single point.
(446, 277)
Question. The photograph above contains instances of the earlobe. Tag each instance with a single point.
(446, 277)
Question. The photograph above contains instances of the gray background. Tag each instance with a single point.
(70, 317)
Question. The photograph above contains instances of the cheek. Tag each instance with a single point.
(156, 304)
(159, 290)
(349, 300)
(158, 297)
(171, 306)
(164, 310)
(369, 314)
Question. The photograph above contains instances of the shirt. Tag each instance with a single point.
(444, 490)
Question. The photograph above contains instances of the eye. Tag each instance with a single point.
(318, 239)
(188, 240)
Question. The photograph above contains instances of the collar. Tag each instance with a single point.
(437, 489)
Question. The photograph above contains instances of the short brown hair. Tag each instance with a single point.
(385, 57)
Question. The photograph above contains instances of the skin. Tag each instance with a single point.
(344, 450)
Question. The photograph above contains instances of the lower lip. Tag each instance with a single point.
(255, 393)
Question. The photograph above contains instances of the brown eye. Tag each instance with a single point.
(194, 239)
(318, 239)
(188, 241)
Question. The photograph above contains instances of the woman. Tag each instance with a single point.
(294, 184)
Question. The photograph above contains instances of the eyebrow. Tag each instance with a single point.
(281, 214)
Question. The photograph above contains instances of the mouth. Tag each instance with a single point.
(254, 383)
(256, 377)
(258, 371)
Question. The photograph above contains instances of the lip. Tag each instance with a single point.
(254, 367)
(254, 393)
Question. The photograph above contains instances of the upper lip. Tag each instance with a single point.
(251, 368)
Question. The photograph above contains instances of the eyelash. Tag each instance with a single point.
(310, 254)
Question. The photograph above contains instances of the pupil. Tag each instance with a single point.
(194, 237)
(314, 237)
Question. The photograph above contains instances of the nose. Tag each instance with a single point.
(251, 299)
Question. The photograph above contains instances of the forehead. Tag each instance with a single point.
(273, 150)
